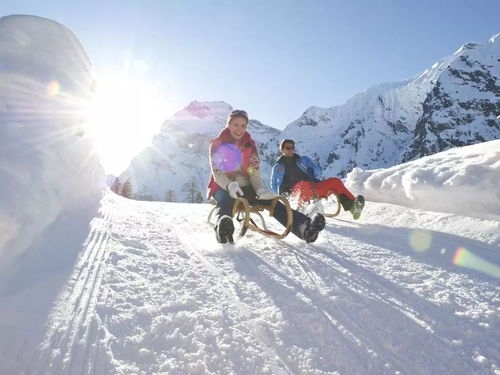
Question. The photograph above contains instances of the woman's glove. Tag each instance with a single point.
(234, 190)
(264, 194)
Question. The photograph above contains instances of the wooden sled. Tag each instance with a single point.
(331, 197)
(242, 211)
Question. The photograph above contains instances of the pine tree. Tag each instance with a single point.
(199, 198)
(170, 196)
(191, 191)
(144, 195)
(116, 186)
(127, 190)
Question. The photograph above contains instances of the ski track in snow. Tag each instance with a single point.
(154, 293)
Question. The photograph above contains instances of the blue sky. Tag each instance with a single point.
(274, 58)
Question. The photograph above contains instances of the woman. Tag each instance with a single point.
(236, 173)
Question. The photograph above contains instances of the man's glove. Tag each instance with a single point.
(234, 190)
(264, 194)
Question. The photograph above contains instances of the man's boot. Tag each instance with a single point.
(357, 207)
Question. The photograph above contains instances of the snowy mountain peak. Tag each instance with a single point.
(493, 42)
(204, 110)
(494, 39)
(467, 46)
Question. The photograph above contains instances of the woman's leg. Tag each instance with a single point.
(224, 228)
(224, 203)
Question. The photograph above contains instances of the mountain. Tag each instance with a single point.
(453, 103)
(179, 153)
(463, 105)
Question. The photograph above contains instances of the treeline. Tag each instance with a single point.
(190, 190)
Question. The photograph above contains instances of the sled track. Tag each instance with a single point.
(278, 362)
(72, 323)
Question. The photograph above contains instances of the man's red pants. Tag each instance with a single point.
(306, 190)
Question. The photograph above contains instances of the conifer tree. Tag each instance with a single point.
(170, 196)
(199, 198)
(116, 186)
(127, 189)
(191, 191)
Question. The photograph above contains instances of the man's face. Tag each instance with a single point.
(288, 149)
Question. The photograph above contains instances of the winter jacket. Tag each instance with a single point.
(233, 160)
(304, 163)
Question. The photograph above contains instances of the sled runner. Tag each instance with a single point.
(334, 198)
(242, 212)
(312, 196)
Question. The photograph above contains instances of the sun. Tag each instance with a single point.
(123, 116)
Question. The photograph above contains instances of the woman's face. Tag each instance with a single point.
(237, 127)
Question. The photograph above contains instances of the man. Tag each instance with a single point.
(299, 176)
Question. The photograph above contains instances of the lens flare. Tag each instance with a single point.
(467, 259)
(227, 157)
(420, 240)
(53, 88)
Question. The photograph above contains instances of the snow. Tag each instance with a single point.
(47, 161)
(99, 284)
(461, 180)
(149, 291)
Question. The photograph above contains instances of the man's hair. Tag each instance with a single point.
(285, 141)
(237, 113)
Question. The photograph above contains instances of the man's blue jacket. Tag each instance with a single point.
(304, 163)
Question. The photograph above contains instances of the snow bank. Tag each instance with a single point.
(47, 157)
(463, 180)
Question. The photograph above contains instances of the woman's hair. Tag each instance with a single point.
(286, 141)
(237, 113)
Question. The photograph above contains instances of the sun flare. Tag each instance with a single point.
(124, 114)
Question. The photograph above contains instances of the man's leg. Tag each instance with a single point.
(336, 186)
(304, 191)
(348, 201)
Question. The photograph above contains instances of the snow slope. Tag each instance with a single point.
(401, 291)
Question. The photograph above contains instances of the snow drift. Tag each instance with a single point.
(47, 158)
(463, 180)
